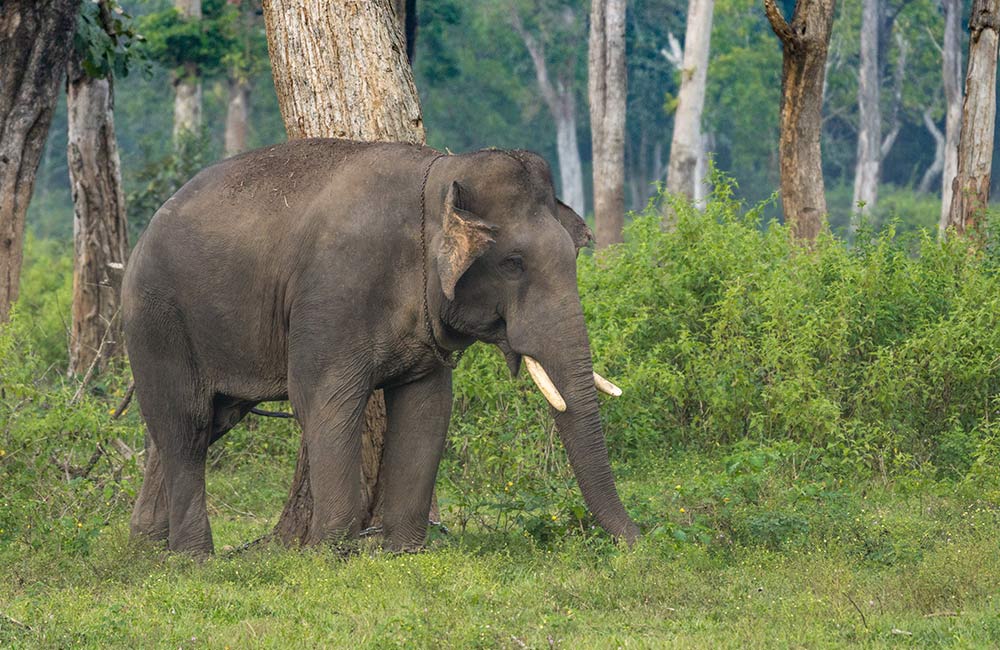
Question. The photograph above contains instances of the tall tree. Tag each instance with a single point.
(867, 167)
(100, 233)
(340, 70)
(805, 43)
(36, 39)
(688, 144)
(560, 98)
(951, 75)
(606, 85)
(971, 187)
(187, 83)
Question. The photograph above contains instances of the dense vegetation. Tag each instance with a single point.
(809, 439)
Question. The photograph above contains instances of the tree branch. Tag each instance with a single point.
(537, 53)
(778, 23)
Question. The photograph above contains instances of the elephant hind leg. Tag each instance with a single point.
(151, 516)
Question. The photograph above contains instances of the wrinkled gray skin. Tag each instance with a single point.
(295, 271)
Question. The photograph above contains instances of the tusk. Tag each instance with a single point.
(606, 386)
(545, 384)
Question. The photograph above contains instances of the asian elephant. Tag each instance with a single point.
(320, 270)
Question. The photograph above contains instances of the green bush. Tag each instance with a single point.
(877, 359)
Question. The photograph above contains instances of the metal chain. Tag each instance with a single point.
(444, 359)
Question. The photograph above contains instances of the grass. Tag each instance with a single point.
(781, 563)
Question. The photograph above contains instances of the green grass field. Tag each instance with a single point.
(782, 563)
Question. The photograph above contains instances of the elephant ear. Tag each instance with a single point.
(574, 225)
(466, 237)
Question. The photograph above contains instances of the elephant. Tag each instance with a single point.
(320, 270)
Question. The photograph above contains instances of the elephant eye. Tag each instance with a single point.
(512, 266)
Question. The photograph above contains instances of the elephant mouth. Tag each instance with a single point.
(544, 382)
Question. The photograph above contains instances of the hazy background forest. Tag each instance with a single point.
(477, 89)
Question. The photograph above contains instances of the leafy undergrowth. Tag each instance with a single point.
(747, 553)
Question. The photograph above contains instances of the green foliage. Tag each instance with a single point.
(176, 42)
(877, 360)
(106, 40)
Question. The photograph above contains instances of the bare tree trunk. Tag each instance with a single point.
(938, 164)
(340, 70)
(951, 75)
(804, 45)
(100, 235)
(187, 86)
(406, 14)
(701, 183)
(606, 88)
(237, 117)
(36, 39)
(867, 167)
(561, 101)
(889, 139)
(687, 146)
(971, 188)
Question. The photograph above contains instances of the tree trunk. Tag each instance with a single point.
(187, 85)
(561, 102)
(406, 14)
(606, 87)
(951, 75)
(237, 116)
(100, 235)
(866, 169)
(938, 165)
(971, 188)
(36, 39)
(340, 70)
(687, 145)
(804, 47)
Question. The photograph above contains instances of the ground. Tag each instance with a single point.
(876, 565)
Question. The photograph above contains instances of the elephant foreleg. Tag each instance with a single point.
(418, 415)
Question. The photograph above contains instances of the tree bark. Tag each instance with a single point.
(805, 43)
(340, 70)
(971, 188)
(187, 84)
(100, 234)
(606, 83)
(36, 40)
(687, 145)
(561, 102)
(237, 117)
(951, 75)
(867, 166)
(406, 14)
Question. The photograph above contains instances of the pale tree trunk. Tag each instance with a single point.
(36, 40)
(100, 236)
(340, 70)
(894, 124)
(804, 47)
(937, 165)
(606, 88)
(187, 84)
(951, 76)
(237, 117)
(971, 188)
(868, 162)
(687, 145)
(561, 102)
(701, 183)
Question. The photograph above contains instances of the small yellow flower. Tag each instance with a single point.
(510, 484)
(725, 499)
(111, 411)
(2, 452)
(79, 525)
(683, 510)
(554, 518)
(677, 487)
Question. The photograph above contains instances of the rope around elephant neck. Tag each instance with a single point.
(445, 359)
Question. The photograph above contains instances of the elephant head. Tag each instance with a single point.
(505, 256)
